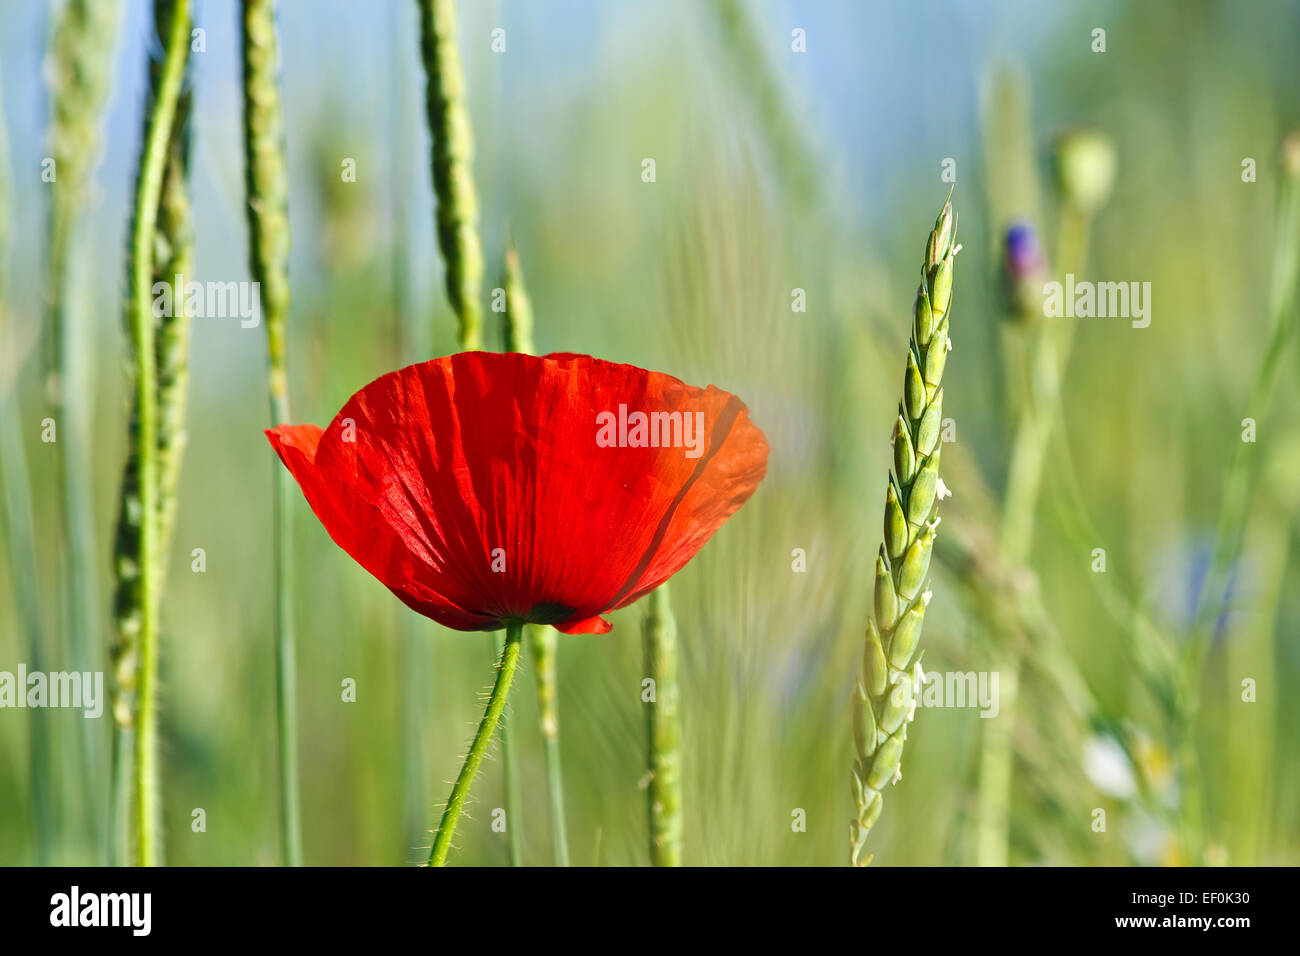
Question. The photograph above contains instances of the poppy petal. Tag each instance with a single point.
(486, 487)
(587, 625)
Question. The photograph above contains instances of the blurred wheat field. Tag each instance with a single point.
(776, 171)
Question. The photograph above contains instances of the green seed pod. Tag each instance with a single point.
(916, 564)
(897, 704)
(944, 227)
(933, 251)
(904, 454)
(873, 661)
(870, 813)
(1290, 153)
(864, 725)
(858, 791)
(886, 599)
(896, 537)
(913, 388)
(886, 762)
(1084, 168)
(924, 318)
(941, 287)
(906, 636)
(936, 355)
(927, 433)
(920, 497)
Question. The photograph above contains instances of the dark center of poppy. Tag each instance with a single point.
(549, 612)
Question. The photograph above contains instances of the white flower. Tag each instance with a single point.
(1108, 767)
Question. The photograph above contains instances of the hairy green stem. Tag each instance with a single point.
(266, 182)
(478, 749)
(663, 731)
(514, 802)
(453, 168)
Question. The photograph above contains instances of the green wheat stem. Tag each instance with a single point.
(478, 749)
(173, 255)
(1048, 359)
(1237, 485)
(142, 646)
(517, 319)
(1237, 494)
(22, 551)
(80, 66)
(883, 704)
(15, 480)
(514, 802)
(663, 731)
(267, 186)
(544, 642)
(452, 166)
(174, 252)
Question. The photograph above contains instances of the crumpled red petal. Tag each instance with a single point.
(475, 488)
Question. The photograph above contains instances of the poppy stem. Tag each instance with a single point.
(514, 816)
(478, 749)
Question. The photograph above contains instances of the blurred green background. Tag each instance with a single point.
(776, 170)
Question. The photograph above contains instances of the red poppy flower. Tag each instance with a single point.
(487, 487)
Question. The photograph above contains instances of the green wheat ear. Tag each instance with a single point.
(139, 555)
(173, 253)
(453, 168)
(266, 182)
(883, 705)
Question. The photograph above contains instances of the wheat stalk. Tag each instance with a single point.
(664, 731)
(135, 653)
(1238, 494)
(79, 69)
(1084, 163)
(453, 171)
(174, 251)
(517, 325)
(15, 480)
(173, 255)
(883, 704)
(266, 182)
